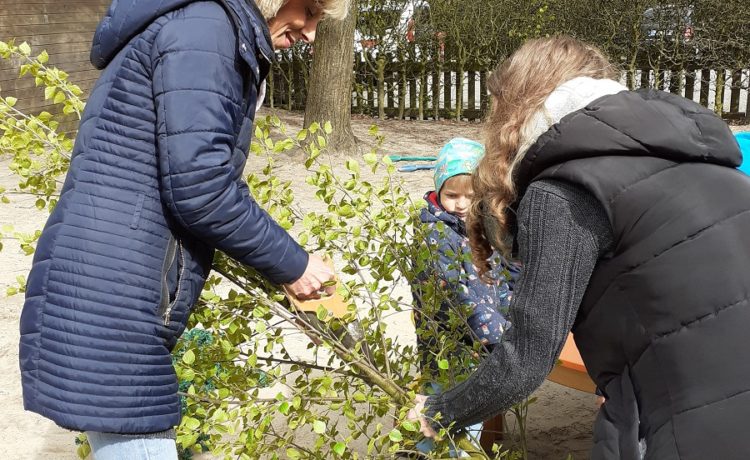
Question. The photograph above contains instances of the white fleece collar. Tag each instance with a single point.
(567, 98)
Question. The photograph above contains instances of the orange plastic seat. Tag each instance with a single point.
(570, 370)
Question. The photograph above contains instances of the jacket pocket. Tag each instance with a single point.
(172, 276)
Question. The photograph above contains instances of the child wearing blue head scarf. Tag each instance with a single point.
(464, 293)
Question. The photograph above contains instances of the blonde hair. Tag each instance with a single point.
(461, 182)
(335, 9)
(519, 87)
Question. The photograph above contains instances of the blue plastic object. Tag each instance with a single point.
(410, 158)
(412, 168)
(744, 140)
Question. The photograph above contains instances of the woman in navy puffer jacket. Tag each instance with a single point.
(155, 184)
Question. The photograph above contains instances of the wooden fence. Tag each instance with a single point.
(435, 91)
(64, 29)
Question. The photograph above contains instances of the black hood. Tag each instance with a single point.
(644, 123)
(127, 18)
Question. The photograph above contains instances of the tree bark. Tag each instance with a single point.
(329, 95)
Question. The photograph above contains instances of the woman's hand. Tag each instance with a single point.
(416, 414)
(310, 284)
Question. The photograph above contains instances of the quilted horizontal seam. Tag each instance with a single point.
(170, 51)
(126, 400)
(99, 168)
(719, 399)
(62, 260)
(125, 100)
(165, 399)
(127, 237)
(87, 336)
(199, 90)
(84, 288)
(197, 131)
(101, 373)
(111, 358)
(135, 397)
(108, 111)
(110, 257)
(95, 142)
(124, 226)
(128, 133)
(97, 413)
(109, 243)
(109, 146)
(697, 321)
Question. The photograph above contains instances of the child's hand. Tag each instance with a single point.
(416, 414)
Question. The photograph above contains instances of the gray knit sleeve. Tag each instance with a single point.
(562, 232)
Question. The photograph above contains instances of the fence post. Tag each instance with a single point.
(690, 84)
(705, 87)
(734, 98)
(413, 94)
(675, 76)
(422, 89)
(484, 98)
(719, 97)
(471, 79)
(645, 80)
(436, 93)
(447, 83)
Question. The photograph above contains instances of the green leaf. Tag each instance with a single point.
(43, 57)
(328, 128)
(293, 453)
(11, 101)
(59, 97)
(321, 313)
(284, 408)
(191, 423)
(443, 364)
(189, 357)
(319, 426)
(352, 166)
(49, 92)
(25, 49)
(302, 135)
(395, 435)
(409, 426)
(339, 448)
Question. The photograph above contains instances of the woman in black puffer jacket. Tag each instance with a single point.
(633, 227)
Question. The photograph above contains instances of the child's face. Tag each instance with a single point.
(456, 195)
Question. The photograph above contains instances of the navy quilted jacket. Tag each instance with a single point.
(155, 184)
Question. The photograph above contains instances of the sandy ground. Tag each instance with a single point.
(559, 422)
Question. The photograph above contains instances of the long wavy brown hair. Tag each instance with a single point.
(519, 87)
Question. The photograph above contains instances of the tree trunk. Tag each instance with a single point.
(422, 85)
(329, 95)
(460, 89)
(402, 87)
(381, 86)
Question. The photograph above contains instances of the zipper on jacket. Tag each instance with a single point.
(174, 249)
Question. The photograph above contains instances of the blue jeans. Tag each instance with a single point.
(111, 446)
